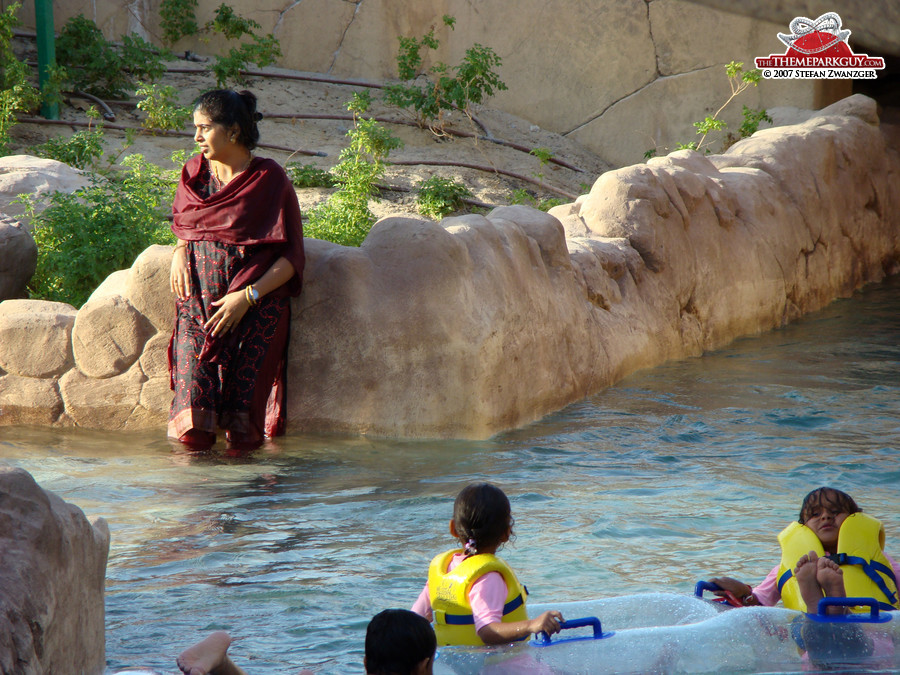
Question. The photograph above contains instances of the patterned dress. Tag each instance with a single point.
(233, 389)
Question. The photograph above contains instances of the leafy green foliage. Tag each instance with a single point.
(752, 120)
(473, 80)
(739, 80)
(85, 236)
(16, 94)
(230, 24)
(141, 59)
(309, 176)
(523, 196)
(178, 19)
(345, 218)
(262, 51)
(161, 105)
(81, 150)
(543, 154)
(101, 68)
(438, 196)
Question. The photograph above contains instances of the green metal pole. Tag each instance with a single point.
(46, 47)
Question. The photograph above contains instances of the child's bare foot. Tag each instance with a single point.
(208, 657)
(805, 573)
(831, 578)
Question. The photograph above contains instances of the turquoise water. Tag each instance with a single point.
(678, 473)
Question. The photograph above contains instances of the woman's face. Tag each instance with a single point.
(214, 139)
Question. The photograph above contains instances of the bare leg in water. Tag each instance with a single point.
(210, 657)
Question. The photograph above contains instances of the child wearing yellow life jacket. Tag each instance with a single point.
(472, 596)
(833, 550)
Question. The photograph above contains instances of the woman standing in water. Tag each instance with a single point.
(238, 261)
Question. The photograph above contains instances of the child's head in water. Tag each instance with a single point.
(824, 510)
(482, 518)
(399, 642)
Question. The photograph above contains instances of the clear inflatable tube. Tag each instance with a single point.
(671, 633)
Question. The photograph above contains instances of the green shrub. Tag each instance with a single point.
(739, 80)
(309, 176)
(262, 52)
(345, 218)
(100, 68)
(161, 105)
(17, 95)
(81, 150)
(178, 19)
(472, 81)
(438, 196)
(523, 196)
(85, 236)
(230, 24)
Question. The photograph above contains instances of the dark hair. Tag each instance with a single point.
(231, 108)
(481, 513)
(397, 640)
(827, 496)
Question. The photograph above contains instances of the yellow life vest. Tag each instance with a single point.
(454, 623)
(867, 572)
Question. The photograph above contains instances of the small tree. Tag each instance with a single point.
(345, 218)
(472, 81)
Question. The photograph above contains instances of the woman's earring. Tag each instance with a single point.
(234, 139)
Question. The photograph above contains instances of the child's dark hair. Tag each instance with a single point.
(830, 497)
(397, 640)
(231, 108)
(482, 517)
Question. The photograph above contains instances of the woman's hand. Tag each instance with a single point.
(180, 272)
(231, 310)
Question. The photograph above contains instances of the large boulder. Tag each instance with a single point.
(35, 337)
(52, 576)
(109, 332)
(37, 177)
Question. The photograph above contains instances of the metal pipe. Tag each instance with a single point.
(46, 48)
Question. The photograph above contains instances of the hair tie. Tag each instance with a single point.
(471, 547)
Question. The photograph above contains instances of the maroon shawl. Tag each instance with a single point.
(258, 206)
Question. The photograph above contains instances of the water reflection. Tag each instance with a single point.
(676, 474)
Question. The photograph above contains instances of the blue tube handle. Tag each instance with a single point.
(586, 621)
(705, 586)
(871, 603)
(543, 638)
(875, 615)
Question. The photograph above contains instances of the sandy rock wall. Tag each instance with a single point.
(482, 323)
(618, 76)
(52, 576)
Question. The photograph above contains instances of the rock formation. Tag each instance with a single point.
(482, 323)
(52, 575)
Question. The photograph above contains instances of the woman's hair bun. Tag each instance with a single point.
(257, 117)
